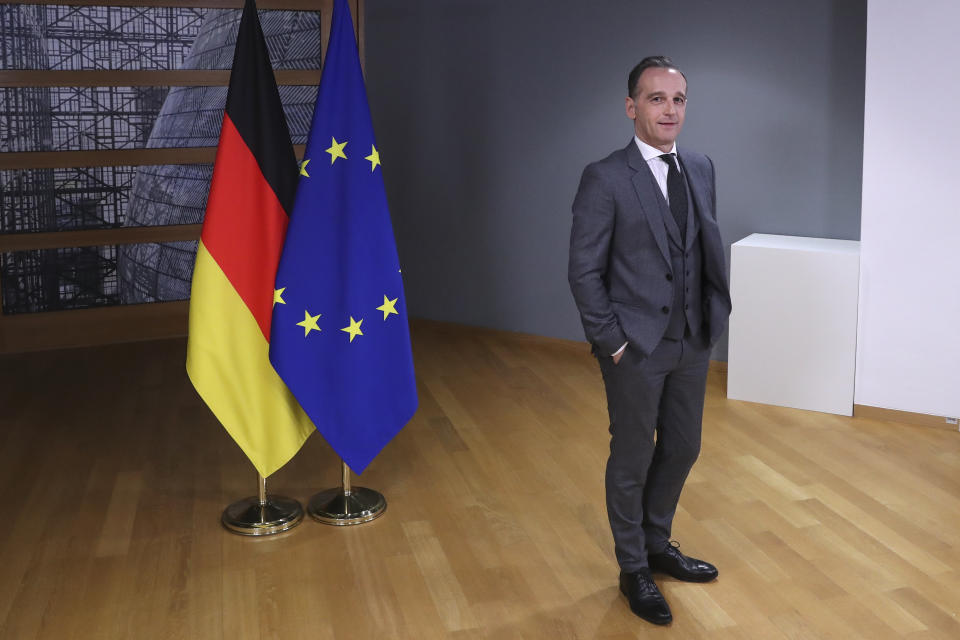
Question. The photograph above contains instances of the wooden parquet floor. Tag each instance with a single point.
(115, 475)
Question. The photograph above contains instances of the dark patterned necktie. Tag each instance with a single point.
(676, 193)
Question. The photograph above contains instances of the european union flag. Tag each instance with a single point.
(339, 336)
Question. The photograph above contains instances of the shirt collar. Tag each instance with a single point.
(648, 152)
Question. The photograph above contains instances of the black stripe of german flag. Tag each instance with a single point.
(253, 104)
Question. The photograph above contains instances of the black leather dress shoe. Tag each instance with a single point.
(673, 563)
(644, 597)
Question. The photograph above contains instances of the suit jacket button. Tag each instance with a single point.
(665, 310)
(669, 277)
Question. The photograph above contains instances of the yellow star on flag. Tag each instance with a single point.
(309, 323)
(388, 307)
(374, 158)
(303, 167)
(354, 328)
(336, 150)
(278, 296)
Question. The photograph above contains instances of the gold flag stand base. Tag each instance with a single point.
(262, 515)
(347, 505)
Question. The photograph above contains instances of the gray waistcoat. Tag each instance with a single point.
(686, 258)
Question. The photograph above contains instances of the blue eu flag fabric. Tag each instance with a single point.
(339, 337)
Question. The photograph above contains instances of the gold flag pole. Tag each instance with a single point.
(346, 504)
(262, 514)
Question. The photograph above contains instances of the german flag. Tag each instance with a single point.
(253, 188)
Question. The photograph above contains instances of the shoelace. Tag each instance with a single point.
(672, 546)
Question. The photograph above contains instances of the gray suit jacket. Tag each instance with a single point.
(620, 257)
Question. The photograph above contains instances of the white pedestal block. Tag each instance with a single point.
(793, 330)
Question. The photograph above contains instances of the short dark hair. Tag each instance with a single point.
(659, 62)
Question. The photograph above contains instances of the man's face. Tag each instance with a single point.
(658, 107)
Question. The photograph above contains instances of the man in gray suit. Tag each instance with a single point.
(648, 275)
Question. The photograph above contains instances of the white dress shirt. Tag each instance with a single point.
(657, 166)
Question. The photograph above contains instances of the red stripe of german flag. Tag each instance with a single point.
(244, 225)
(254, 180)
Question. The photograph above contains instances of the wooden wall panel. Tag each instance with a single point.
(88, 327)
(123, 78)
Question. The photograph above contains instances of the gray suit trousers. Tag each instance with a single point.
(656, 407)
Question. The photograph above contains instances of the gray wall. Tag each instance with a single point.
(487, 112)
